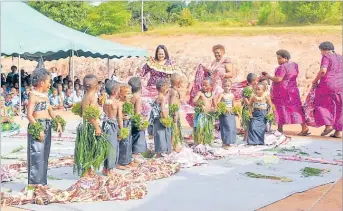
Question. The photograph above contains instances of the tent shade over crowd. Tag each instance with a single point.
(30, 34)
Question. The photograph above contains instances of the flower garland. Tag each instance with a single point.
(169, 69)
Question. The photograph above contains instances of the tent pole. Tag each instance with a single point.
(19, 73)
(73, 69)
(142, 13)
(69, 65)
(108, 68)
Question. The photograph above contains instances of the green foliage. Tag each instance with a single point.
(128, 108)
(77, 109)
(70, 13)
(115, 17)
(57, 120)
(108, 18)
(307, 12)
(91, 112)
(90, 150)
(173, 108)
(248, 91)
(221, 108)
(123, 133)
(186, 18)
(139, 122)
(35, 130)
(166, 122)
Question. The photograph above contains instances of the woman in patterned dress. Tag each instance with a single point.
(156, 66)
(220, 68)
(328, 93)
(285, 93)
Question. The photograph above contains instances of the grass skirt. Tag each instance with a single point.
(90, 150)
(203, 128)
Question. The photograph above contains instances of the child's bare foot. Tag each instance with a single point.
(226, 146)
(158, 155)
(110, 172)
(120, 167)
(104, 171)
(133, 164)
(88, 173)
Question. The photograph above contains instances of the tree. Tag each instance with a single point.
(108, 18)
(186, 18)
(306, 12)
(71, 14)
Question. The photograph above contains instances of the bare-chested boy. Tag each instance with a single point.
(112, 122)
(125, 145)
(175, 100)
(86, 155)
(203, 120)
(139, 144)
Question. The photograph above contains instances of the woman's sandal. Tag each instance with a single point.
(326, 132)
(305, 133)
(334, 136)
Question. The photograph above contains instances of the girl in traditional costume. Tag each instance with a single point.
(227, 119)
(174, 111)
(247, 94)
(329, 92)
(113, 120)
(257, 124)
(91, 146)
(160, 120)
(41, 117)
(139, 125)
(125, 145)
(204, 120)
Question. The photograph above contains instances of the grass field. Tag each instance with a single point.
(216, 29)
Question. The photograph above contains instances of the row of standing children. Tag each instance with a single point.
(256, 105)
(92, 150)
(125, 152)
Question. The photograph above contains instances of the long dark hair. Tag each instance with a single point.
(164, 48)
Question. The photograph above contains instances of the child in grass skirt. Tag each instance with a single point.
(204, 120)
(160, 121)
(39, 114)
(174, 112)
(91, 146)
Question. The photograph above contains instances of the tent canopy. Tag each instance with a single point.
(29, 33)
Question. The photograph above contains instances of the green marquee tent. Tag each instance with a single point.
(30, 34)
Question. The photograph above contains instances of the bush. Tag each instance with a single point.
(228, 23)
(186, 18)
